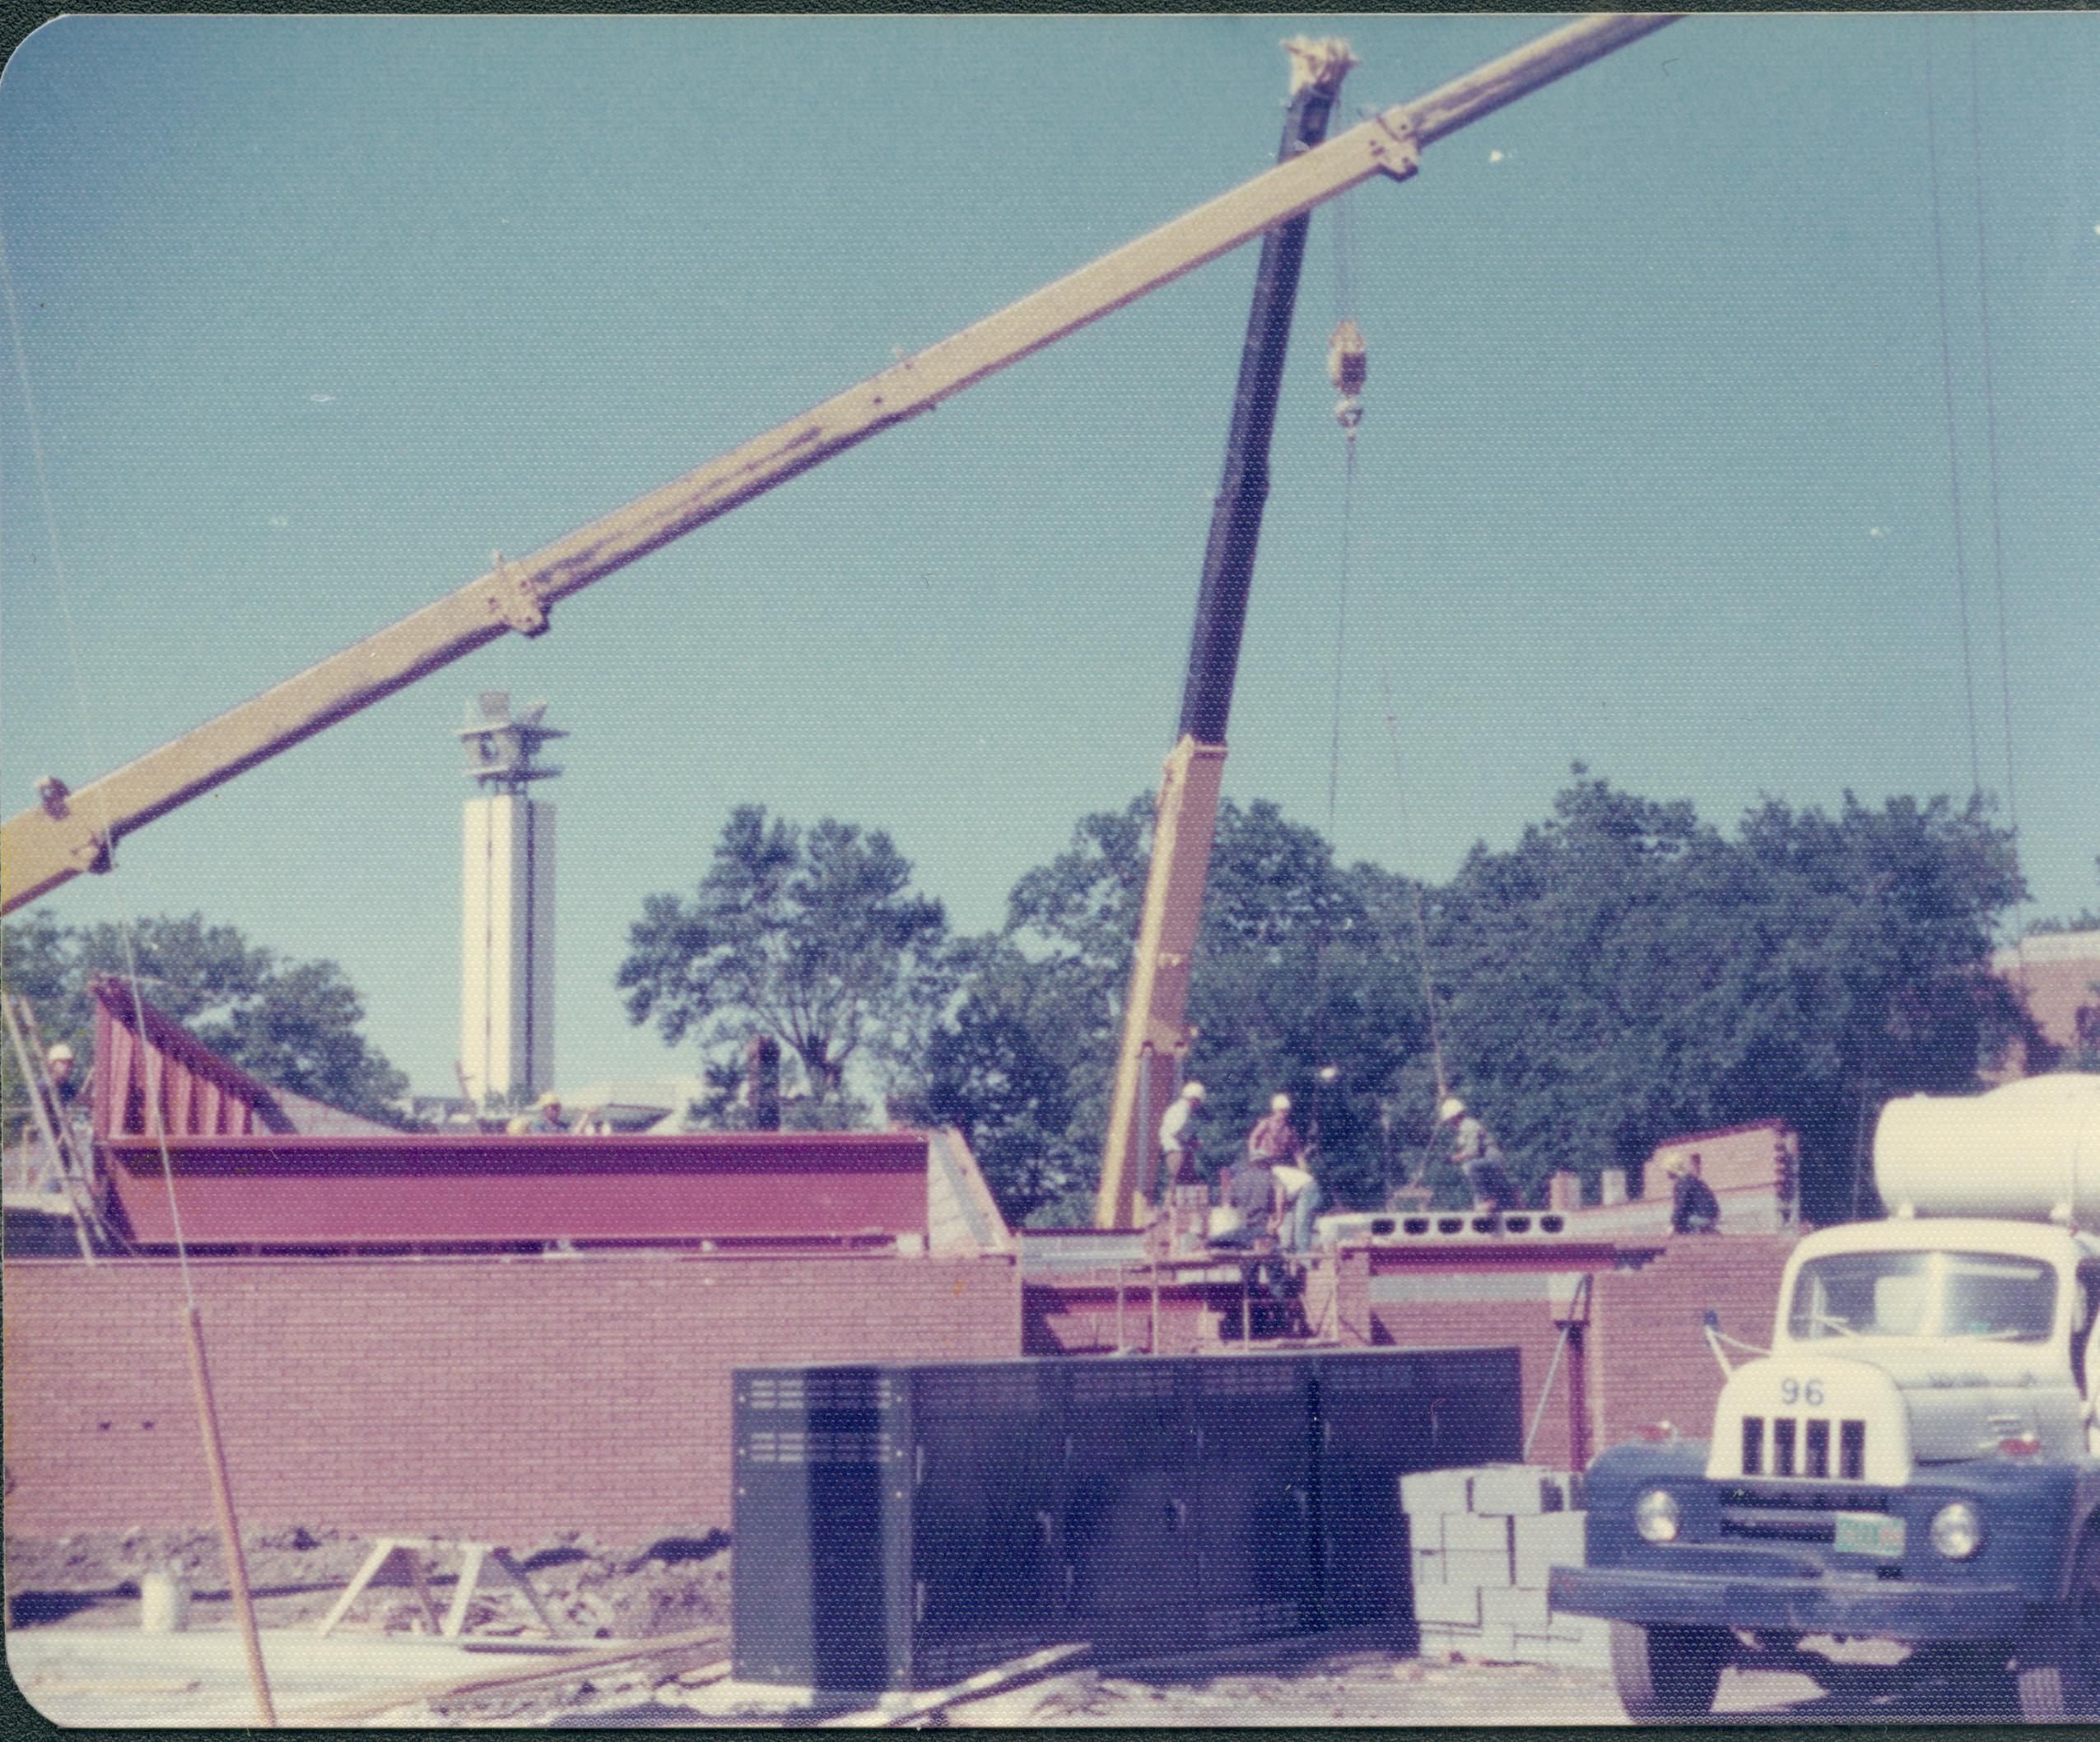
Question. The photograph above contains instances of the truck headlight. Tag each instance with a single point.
(1655, 1515)
(1957, 1531)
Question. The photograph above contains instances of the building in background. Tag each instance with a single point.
(2058, 974)
(506, 1002)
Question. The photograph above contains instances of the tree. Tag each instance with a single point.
(989, 1072)
(810, 935)
(292, 1024)
(1295, 975)
(1625, 973)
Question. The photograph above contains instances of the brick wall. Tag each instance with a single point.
(452, 1397)
(1649, 1361)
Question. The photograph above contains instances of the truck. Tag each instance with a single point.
(1918, 1457)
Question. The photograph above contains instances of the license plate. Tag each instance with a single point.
(1869, 1533)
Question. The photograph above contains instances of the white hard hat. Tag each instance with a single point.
(1451, 1108)
(1279, 1103)
(550, 1099)
(1192, 1091)
(60, 1051)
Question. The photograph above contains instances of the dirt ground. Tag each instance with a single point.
(679, 1585)
(596, 1590)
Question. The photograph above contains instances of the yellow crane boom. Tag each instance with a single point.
(72, 831)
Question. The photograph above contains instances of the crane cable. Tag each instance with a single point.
(1990, 433)
(1347, 367)
(1946, 399)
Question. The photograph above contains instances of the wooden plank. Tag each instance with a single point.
(894, 1712)
(456, 1687)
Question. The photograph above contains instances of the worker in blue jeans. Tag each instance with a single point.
(1302, 1199)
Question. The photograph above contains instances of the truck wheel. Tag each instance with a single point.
(2060, 1681)
(1666, 1673)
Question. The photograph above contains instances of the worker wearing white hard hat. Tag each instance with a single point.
(1275, 1138)
(544, 1120)
(1479, 1158)
(1275, 1144)
(1180, 1136)
(1694, 1207)
(58, 1066)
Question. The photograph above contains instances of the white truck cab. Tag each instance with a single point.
(1918, 1457)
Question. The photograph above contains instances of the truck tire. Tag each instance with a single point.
(1667, 1673)
(2059, 1678)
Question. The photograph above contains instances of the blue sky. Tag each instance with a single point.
(317, 312)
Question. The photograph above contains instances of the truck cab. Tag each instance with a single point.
(1917, 1459)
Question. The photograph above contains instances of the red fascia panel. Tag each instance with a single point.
(417, 1188)
(140, 1051)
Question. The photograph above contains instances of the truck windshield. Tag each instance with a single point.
(1983, 1295)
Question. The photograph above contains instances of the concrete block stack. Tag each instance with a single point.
(1484, 1542)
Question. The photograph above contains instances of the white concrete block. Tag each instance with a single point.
(1541, 1543)
(1444, 1641)
(1519, 1490)
(1496, 1644)
(1524, 1611)
(1471, 1531)
(1448, 1603)
(1537, 1648)
(1436, 1490)
(1593, 1630)
(1425, 1530)
(1429, 1567)
(1584, 1653)
(1482, 1568)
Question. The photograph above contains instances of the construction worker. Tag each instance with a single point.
(66, 1089)
(1479, 1158)
(1275, 1143)
(1275, 1138)
(544, 1120)
(1694, 1207)
(1248, 1206)
(61, 1092)
(1181, 1137)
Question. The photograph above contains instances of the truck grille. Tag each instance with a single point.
(1800, 1516)
(1791, 1445)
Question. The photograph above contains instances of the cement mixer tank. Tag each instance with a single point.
(2029, 1151)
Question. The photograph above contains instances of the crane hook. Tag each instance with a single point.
(1347, 363)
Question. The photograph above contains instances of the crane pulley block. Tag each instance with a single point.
(1348, 363)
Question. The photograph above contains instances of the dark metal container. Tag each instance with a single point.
(901, 1527)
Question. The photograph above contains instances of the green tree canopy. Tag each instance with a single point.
(1294, 971)
(812, 935)
(1625, 974)
(293, 1025)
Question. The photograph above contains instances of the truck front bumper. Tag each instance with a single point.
(1856, 1607)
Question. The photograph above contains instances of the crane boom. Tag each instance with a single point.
(74, 831)
(1184, 818)
(1155, 1035)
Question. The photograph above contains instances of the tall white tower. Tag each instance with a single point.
(507, 1001)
